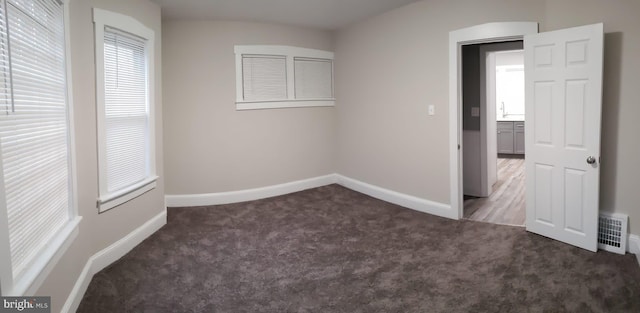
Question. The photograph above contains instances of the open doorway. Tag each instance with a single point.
(563, 84)
(493, 118)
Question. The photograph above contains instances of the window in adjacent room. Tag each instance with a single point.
(281, 76)
(38, 218)
(509, 84)
(124, 70)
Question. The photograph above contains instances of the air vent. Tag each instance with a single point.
(612, 232)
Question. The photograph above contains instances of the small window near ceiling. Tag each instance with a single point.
(282, 77)
(124, 69)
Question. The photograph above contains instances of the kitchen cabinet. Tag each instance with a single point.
(518, 137)
(505, 137)
(510, 137)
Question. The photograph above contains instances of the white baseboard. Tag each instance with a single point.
(248, 194)
(394, 197)
(401, 199)
(108, 255)
(80, 287)
(633, 245)
(121, 247)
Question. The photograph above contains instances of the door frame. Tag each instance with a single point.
(488, 157)
(484, 33)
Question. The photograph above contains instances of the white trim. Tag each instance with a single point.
(70, 111)
(29, 283)
(485, 33)
(404, 200)
(110, 254)
(121, 22)
(633, 246)
(6, 266)
(239, 81)
(283, 104)
(115, 199)
(79, 289)
(401, 199)
(121, 247)
(283, 51)
(248, 194)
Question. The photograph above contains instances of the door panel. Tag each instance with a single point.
(563, 91)
(576, 101)
(574, 184)
(544, 194)
(542, 111)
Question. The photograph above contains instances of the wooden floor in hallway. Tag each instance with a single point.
(506, 205)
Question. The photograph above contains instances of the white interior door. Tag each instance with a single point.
(563, 94)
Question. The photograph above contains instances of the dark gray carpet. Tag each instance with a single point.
(331, 249)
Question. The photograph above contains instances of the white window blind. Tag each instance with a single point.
(126, 109)
(269, 77)
(34, 127)
(264, 77)
(313, 78)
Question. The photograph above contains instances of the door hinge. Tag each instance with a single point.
(458, 146)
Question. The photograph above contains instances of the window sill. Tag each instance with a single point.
(42, 266)
(112, 200)
(259, 105)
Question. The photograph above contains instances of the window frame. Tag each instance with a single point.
(103, 18)
(290, 53)
(42, 265)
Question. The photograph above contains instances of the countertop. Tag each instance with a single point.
(511, 119)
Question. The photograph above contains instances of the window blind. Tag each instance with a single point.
(33, 126)
(313, 78)
(264, 77)
(126, 109)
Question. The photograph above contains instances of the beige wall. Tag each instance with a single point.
(388, 70)
(98, 231)
(391, 67)
(620, 172)
(209, 146)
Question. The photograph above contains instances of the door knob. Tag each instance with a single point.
(591, 160)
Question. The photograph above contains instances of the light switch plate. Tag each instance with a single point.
(475, 111)
(432, 109)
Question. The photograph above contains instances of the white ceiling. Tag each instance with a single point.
(322, 14)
